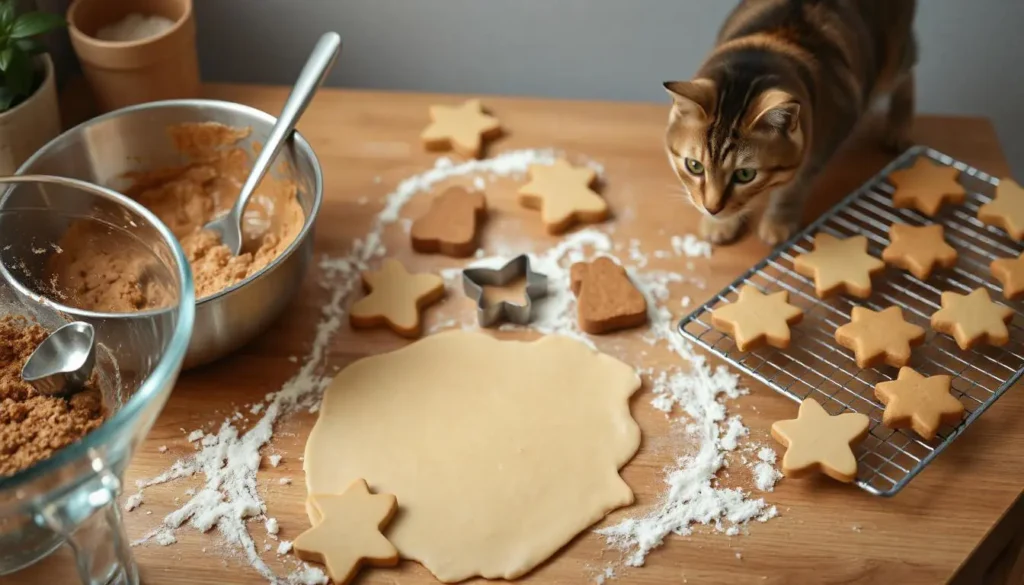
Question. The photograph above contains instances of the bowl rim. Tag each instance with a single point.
(167, 367)
(299, 141)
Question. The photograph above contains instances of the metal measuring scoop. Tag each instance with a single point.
(63, 362)
(229, 225)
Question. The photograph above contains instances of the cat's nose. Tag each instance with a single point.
(713, 209)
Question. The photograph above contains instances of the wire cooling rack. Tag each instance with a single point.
(815, 366)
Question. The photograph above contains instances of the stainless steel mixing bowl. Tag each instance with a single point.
(136, 138)
(71, 497)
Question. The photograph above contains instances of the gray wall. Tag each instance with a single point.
(597, 49)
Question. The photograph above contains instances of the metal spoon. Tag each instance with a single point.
(63, 362)
(229, 225)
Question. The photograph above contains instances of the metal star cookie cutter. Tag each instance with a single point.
(475, 279)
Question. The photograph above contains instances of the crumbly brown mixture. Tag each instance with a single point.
(34, 426)
(186, 198)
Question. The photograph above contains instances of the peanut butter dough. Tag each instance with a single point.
(113, 279)
(33, 426)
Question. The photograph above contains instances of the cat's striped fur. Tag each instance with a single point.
(784, 87)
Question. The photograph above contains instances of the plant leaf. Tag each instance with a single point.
(30, 46)
(6, 14)
(31, 24)
(19, 74)
(6, 56)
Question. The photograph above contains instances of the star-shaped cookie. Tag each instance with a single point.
(396, 299)
(921, 403)
(879, 337)
(926, 186)
(349, 532)
(562, 193)
(1010, 273)
(839, 265)
(972, 319)
(756, 318)
(918, 249)
(815, 441)
(460, 128)
(1006, 210)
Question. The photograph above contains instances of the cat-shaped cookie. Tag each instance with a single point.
(452, 224)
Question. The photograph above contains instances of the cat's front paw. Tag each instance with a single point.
(720, 231)
(774, 231)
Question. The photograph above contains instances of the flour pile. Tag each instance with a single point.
(229, 459)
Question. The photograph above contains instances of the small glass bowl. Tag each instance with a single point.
(71, 497)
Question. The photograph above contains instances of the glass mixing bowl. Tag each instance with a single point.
(71, 498)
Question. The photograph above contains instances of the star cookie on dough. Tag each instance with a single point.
(564, 196)
(1010, 273)
(460, 128)
(815, 441)
(926, 186)
(921, 403)
(972, 319)
(396, 299)
(839, 265)
(879, 337)
(1006, 210)
(349, 532)
(756, 318)
(918, 249)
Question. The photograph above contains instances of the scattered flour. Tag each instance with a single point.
(285, 547)
(285, 481)
(256, 408)
(691, 246)
(272, 526)
(691, 498)
(274, 460)
(133, 501)
(164, 538)
(765, 474)
(734, 429)
(162, 449)
(230, 461)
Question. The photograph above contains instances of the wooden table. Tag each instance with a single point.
(951, 522)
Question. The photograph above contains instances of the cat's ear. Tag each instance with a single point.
(697, 96)
(775, 109)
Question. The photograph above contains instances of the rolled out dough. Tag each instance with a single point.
(499, 452)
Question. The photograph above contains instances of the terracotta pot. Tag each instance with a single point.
(164, 66)
(25, 128)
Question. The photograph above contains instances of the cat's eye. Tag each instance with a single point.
(694, 167)
(744, 175)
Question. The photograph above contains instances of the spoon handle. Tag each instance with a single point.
(310, 79)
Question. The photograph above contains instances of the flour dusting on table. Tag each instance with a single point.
(229, 459)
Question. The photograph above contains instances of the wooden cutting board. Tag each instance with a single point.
(947, 519)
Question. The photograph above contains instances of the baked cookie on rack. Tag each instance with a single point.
(973, 319)
(879, 337)
(756, 318)
(839, 265)
(922, 403)
(818, 442)
(1006, 210)
(1010, 273)
(926, 186)
(918, 249)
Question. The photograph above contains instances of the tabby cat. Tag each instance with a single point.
(785, 85)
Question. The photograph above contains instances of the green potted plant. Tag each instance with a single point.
(29, 112)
